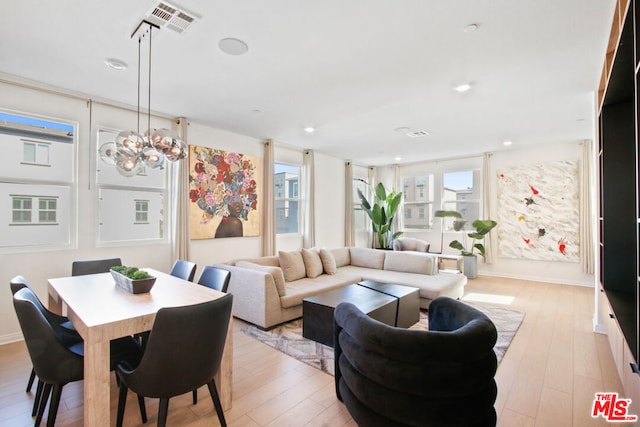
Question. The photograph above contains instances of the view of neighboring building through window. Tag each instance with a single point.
(131, 209)
(142, 211)
(460, 193)
(418, 198)
(36, 181)
(287, 198)
(424, 194)
(35, 152)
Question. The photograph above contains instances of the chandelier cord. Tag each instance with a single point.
(139, 43)
(149, 99)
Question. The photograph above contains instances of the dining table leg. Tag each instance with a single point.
(96, 381)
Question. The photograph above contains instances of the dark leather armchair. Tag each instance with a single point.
(183, 352)
(390, 376)
(183, 269)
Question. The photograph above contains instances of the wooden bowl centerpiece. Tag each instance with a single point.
(132, 279)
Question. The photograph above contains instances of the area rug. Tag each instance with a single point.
(288, 337)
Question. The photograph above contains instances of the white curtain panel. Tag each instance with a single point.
(372, 176)
(181, 245)
(268, 217)
(349, 232)
(309, 235)
(487, 195)
(586, 225)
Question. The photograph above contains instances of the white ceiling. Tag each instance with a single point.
(356, 70)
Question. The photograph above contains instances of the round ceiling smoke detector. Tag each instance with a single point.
(233, 46)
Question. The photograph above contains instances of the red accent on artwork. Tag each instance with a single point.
(562, 246)
(533, 190)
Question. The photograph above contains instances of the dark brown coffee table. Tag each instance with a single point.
(408, 301)
(317, 311)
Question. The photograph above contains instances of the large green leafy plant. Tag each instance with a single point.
(381, 212)
(482, 228)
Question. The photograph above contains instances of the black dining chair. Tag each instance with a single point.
(184, 269)
(93, 266)
(183, 352)
(55, 362)
(215, 278)
(68, 337)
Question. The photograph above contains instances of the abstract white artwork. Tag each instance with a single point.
(538, 211)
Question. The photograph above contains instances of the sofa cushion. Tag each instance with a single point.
(292, 265)
(411, 262)
(276, 272)
(342, 256)
(368, 258)
(328, 261)
(272, 261)
(305, 288)
(312, 262)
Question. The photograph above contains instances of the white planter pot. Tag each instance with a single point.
(471, 266)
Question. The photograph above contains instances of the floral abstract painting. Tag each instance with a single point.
(538, 211)
(224, 193)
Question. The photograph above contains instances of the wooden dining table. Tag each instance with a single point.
(101, 311)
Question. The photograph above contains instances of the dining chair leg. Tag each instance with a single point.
(32, 377)
(216, 402)
(122, 402)
(195, 396)
(163, 408)
(43, 404)
(36, 400)
(143, 409)
(53, 405)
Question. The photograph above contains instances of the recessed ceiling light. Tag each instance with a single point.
(116, 64)
(470, 28)
(398, 159)
(464, 87)
(402, 129)
(507, 143)
(233, 46)
(309, 129)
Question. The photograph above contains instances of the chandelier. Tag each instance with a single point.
(132, 151)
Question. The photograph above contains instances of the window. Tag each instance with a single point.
(35, 152)
(142, 211)
(418, 194)
(145, 195)
(460, 194)
(39, 202)
(286, 179)
(21, 210)
(47, 210)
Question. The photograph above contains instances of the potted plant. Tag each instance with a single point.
(381, 213)
(482, 228)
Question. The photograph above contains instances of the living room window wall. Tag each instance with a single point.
(37, 181)
(444, 185)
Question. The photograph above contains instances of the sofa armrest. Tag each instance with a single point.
(255, 297)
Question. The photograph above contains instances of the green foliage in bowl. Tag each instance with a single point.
(132, 273)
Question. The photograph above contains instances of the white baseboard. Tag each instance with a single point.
(9, 338)
(537, 279)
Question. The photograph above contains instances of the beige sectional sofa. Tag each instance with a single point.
(269, 290)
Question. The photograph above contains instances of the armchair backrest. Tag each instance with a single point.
(394, 376)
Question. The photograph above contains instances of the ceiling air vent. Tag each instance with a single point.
(417, 134)
(166, 15)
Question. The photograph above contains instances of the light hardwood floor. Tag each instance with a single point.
(548, 376)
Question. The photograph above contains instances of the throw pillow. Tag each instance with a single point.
(276, 273)
(312, 262)
(328, 261)
(342, 257)
(292, 265)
